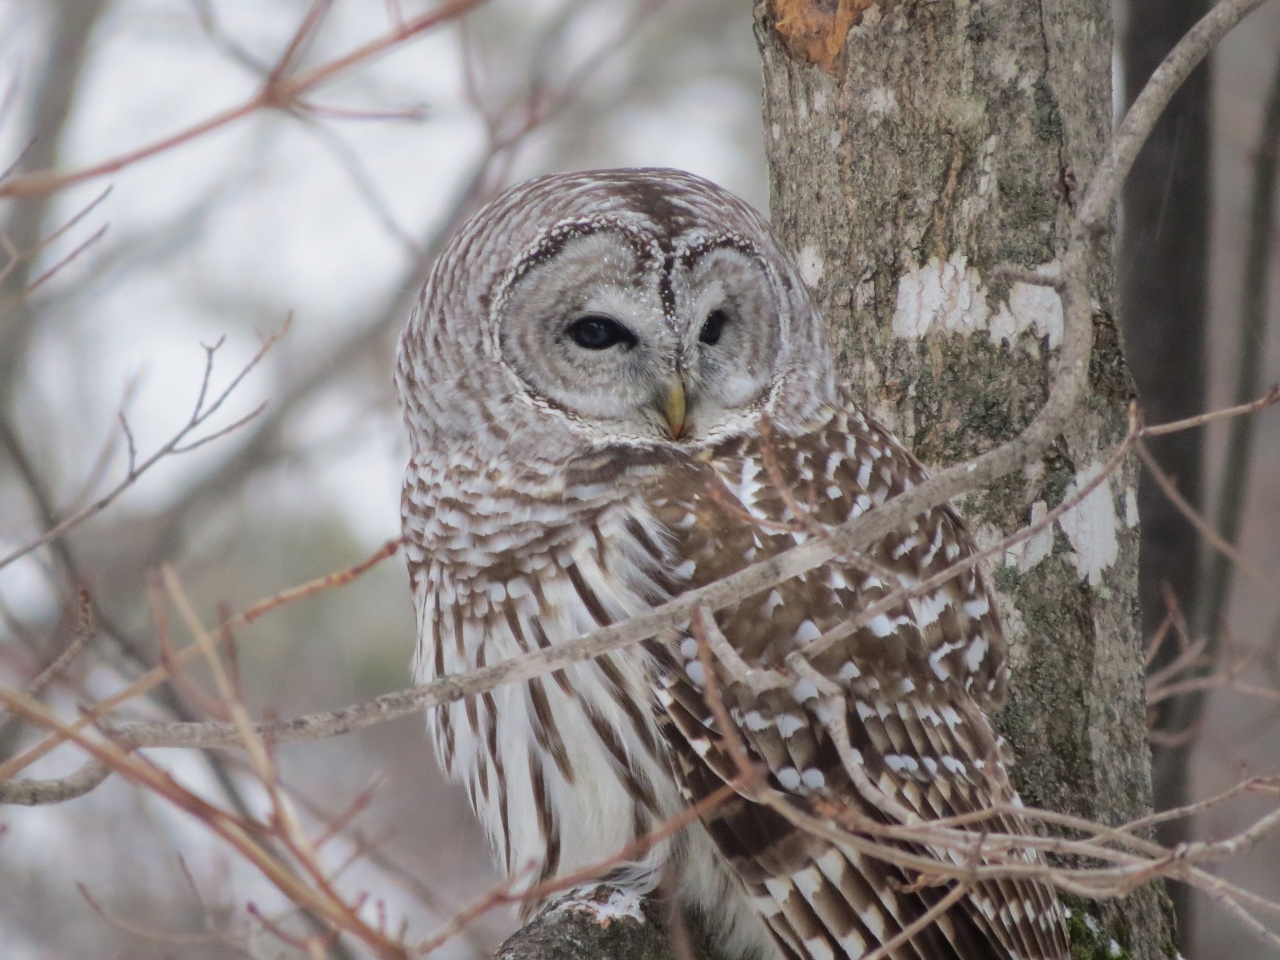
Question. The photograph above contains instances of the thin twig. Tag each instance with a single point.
(175, 445)
(158, 675)
(1215, 539)
(149, 933)
(80, 637)
(282, 93)
(247, 838)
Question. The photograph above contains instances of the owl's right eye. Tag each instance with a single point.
(599, 333)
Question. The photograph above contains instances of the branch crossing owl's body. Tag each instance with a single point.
(616, 390)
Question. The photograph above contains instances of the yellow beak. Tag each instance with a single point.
(673, 408)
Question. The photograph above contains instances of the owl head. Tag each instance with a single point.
(586, 310)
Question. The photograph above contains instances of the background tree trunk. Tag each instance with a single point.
(1164, 265)
(909, 157)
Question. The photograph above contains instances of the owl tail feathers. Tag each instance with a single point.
(842, 905)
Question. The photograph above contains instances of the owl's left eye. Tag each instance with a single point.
(599, 333)
(713, 327)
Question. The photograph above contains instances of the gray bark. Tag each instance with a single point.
(591, 926)
(934, 141)
(939, 141)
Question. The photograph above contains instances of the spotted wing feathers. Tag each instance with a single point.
(913, 685)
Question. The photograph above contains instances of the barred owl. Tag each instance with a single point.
(617, 389)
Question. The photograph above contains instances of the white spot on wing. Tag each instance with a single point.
(809, 631)
(940, 669)
(779, 887)
(977, 650)
(880, 625)
(808, 880)
(787, 724)
(804, 690)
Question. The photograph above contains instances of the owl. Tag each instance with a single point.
(617, 389)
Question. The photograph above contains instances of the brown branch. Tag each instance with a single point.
(80, 638)
(176, 445)
(149, 933)
(1268, 399)
(1215, 539)
(158, 675)
(448, 689)
(278, 92)
(247, 838)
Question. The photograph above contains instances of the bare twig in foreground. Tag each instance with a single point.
(159, 675)
(448, 689)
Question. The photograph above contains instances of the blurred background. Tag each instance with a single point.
(331, 217)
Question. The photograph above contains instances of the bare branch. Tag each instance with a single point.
(1269, 399)
(158, 675)
(1215, 539)
(278, 92)
(36, 793)
(174, 446)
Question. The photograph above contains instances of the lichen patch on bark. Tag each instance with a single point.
(1029, 306)
(1028, 554)
(1091, 527)
(811, 265)
(941, 295)
(949, 296)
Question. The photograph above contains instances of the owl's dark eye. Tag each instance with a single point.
(713, 327)
(599, 333)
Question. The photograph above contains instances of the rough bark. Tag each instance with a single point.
(937, 142)
(913, 147)
(603, 924)
(1164, 260)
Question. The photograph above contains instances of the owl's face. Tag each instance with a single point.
(580, 311)
(612, 331)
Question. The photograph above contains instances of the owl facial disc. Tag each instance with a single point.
(587, 310)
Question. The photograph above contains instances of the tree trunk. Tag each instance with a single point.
(909, 157)
(1164, 263)
(914, 147)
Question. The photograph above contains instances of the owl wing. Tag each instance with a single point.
(915, 680)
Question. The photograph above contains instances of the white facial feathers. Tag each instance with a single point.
(686, 294)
